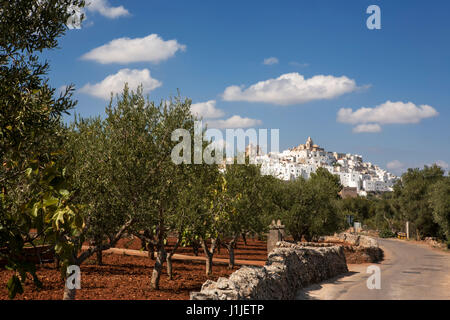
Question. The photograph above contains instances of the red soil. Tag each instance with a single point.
(128, 277)
(255, 250)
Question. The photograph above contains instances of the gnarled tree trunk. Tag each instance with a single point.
(230, 247)
(160, 258)
(209, 253)
(244, 238)
(169, 258)
(99, 252)
(151, 250)
(218, 245)
(70, 294)
(195, 247)
(99, 257)
(169, 267)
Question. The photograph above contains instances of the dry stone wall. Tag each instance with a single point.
(289, 267)
(435, 243)
(357, 248)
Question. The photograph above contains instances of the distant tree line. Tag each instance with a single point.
(421, 197)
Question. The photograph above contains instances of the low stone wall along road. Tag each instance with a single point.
(409, 271)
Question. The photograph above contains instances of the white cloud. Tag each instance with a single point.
(271, 61)
(370, 128)
(441, 163)
(207, 110)
(395, 165)
(105, 9)
(234, 122)
(292, 88)
(387, 113)
(151, 48)
(115, 83)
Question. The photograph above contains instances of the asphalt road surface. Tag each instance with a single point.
(410, 271)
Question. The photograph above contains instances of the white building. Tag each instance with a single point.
(305, 159)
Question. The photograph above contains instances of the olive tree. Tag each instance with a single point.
(144, 174)
(440, 203)
(91, 169)
(310, 207)
(412, 196)
(120, 173)
(34, 194)
(252, 203)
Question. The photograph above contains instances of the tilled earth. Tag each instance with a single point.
(124, 277)
(255, 250)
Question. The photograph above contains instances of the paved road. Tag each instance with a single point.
(409, 271)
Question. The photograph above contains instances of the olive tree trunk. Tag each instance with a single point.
(69, 293)
(151, 250)
(78, 258)
(209, 254)
(160, 258)
(230, 247)
(244, 238)
(169, 258)
(99, 257)
(195, 247)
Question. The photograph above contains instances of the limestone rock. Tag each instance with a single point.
(289, 267)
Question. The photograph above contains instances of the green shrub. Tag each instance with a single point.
(386, 234)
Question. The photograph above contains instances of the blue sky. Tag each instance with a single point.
(401, 72)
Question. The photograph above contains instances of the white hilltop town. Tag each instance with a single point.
(355, 174)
